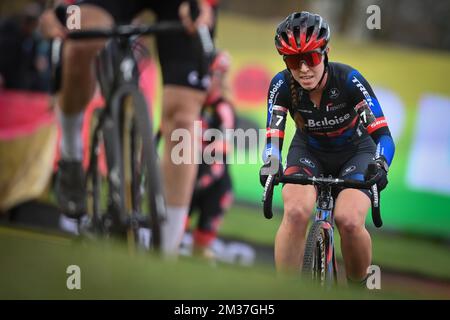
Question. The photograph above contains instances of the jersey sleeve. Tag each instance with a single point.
(278, 101)
(226, 115)
(378, 129)
(210, 173)
(227, 121)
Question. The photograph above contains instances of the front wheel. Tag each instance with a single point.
(143, 193)
(318, 263)
(96, 178)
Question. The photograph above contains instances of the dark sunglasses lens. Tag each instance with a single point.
(312, 59)
(292, 62)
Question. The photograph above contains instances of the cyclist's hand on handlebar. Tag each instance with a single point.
(271, 166)
(383, 168)
(205, 16)
(49, 25)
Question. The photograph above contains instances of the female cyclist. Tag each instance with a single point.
(340, 130)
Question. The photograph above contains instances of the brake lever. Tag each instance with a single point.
(267, 197)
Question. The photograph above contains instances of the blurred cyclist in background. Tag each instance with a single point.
(184, 91)
(340, 130)
(213, 188)
(24, 61)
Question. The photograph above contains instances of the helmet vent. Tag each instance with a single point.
(285, 37)
(309, 33)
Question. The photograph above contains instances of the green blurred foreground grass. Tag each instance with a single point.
(34, 267)
(399, 252)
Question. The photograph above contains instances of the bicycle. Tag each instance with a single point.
(129, 198)
(124, 129)
(319, 262)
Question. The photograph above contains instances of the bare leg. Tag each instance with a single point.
(290, 239)
(78, 79)
(181, 107)
(350, 214)
(78, 84)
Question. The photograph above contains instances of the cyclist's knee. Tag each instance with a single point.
(79, 53)
(184, 120)
(179, 100)
(297, 215)
(297, 209)
(350, 222)
(93, 17)
(349, 227)
(350, 211)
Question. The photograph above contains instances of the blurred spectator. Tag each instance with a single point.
(23, 53)
(27, 129)
(213, 188)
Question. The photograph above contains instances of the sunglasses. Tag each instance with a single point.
(311, 58)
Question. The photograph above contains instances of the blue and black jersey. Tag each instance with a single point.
(333, 125)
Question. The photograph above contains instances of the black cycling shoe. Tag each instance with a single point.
(70, 189)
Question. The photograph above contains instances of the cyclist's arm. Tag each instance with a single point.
(278, 100)
(205, 17)
(378, 130)
(211, 173)
(225, 113)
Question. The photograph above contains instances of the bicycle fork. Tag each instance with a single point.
(324, 214)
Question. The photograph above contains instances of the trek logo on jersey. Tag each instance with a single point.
(272, 93)
(363, 90)
(328, 122)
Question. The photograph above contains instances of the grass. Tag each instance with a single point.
(35, 268)
(395, 251)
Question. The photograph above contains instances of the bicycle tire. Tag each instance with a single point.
(315, 264)
(140, 169)
(95, 180)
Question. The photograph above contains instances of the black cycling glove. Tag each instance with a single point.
(269, 167)
(383, 168)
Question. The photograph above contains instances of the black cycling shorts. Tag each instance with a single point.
(212, 203)
(180, 55)
(350, 162)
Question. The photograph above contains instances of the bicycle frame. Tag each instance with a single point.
(115, 82)
(324, 213)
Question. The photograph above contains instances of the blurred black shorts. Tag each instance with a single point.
(180, 55)
(347, 163)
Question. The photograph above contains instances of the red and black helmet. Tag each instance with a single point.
(302, 32)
